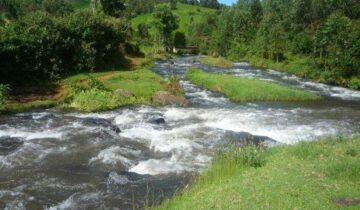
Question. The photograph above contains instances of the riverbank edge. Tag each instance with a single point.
(320, 174)
(298, 66)
(239, 89)
(58, 103)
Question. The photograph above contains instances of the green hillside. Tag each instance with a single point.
(187, 13)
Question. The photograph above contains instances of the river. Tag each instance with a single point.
(129, 158)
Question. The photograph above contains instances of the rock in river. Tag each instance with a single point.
(101, 122)
(165, 97)
(8, 144)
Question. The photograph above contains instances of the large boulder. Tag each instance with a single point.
(101, 123)
(165, 97)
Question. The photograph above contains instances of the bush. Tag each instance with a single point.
(3, 94)
(174, 86)
(94, 83)
(96, 100)
(41, 47)
(179, 40)
(354, 83)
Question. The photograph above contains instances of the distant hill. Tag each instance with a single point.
(185, 12)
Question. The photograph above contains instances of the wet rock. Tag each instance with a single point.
(8, 144)
(124, 178)
(165, 97)
(158, 121)
(242, 139)
(102, 123)
(123, 92)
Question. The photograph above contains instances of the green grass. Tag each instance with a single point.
(21, 107)
(239, 89)
(141, 83)
(216, 61)
(308, 175)
(186, 13)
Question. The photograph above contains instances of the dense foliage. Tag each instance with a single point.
(166, 22)
(54, 40)
(327, 32)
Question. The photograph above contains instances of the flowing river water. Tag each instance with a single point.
(129, 158)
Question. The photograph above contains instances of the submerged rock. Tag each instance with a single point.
(242, 139)
(165, 97)
(9, 144)
(158, 121)
(102, 123)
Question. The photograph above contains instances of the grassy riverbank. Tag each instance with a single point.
(106, 91)
(98, 91)
(240, 89)
(216, 61)
(305, 67)
(313, 175)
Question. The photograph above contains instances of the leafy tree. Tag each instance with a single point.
(179, 40)
(113, 8)
(166, 22)
(337, 45)
(173, 4)
(143, 30)
(57, 7)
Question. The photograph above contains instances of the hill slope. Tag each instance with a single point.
(186, 13)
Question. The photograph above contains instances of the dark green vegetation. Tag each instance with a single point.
(44, 41)
(310, 175)
(316, 39)
(240, 89)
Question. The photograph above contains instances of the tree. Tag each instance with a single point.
(166, 22)
(210, 3)
(113, 8)
(337, 45)
(173, 4)
(179, 40)
(57, 7)
(143, 30)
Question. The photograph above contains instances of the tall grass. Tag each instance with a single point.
(310, 175)
(240, 89)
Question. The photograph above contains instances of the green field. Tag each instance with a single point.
(184, 11)
(239, 89)
(317, 175)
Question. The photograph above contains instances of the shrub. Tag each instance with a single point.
(96, 100)
(179, 39)
(41, 47)
(94, 83)
(174, 86)
(3, 94)
(354, 83)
